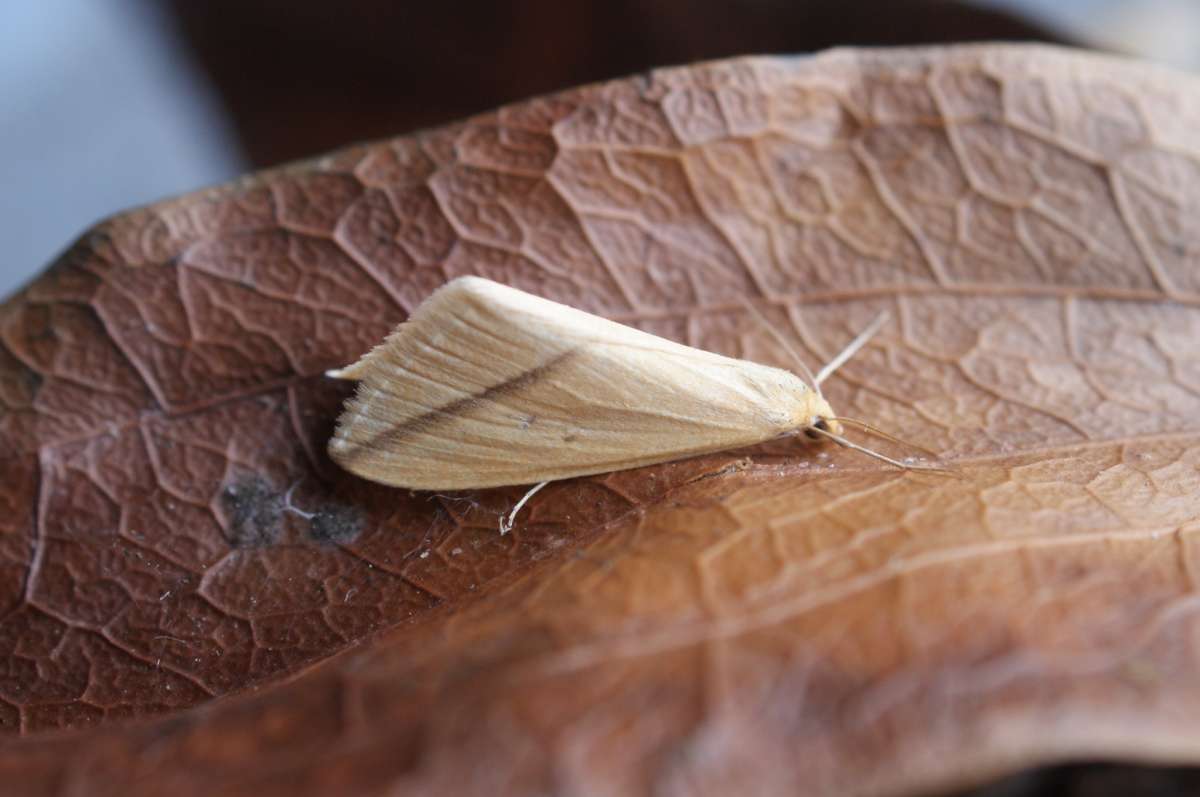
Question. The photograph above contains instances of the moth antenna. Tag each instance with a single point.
(506, 523)
(837, 438)
(805, 371)
(852, 347)
(866, 427)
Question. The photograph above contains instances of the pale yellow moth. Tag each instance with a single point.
(486, 386)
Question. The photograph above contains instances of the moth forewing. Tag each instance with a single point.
(486, 386)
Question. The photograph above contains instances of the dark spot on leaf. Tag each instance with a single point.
(32, 380)
(336, 524)
(253, 510)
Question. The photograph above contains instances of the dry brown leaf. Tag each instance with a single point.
(779, 620)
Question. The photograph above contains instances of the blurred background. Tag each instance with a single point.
(109, 104)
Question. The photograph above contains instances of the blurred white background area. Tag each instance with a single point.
(99, 111)
(1167, 31)
(102, 108)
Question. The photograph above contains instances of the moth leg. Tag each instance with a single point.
(506, 522)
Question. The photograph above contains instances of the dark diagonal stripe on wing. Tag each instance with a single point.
(433, 418)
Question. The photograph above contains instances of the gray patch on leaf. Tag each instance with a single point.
(254, 512)
(336, 524)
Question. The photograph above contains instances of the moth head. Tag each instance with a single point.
(821, 417)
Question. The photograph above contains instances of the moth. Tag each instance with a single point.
(486, 386)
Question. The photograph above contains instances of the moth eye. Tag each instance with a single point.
(819, 423)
